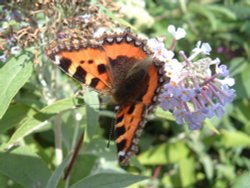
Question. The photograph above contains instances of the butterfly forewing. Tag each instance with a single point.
(88, 65)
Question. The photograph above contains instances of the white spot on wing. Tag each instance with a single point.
(110, 39)
(119, 39)
(155, 98)
(161, 80)
(57, 60)
(138, 43)
(128, 39)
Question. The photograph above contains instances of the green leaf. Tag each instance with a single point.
(209, 124)
(159, 112)
(82, 167)
(107, 113)
(58, 173)
(108, 180)
(185, 174)
(98, 146)
(247, 48)
(3, 180)
(237, 65)
(241, 9)
(71, 127)
(227, 171)
(14, 116)
(216, 9)
(92, 112)
(41, 118)
(187, 171)
(202, 11)
(235, 139)
(243, 82)
(241, 112)
(13, 75)
(165, 153)
(24, 167)
(208, 166)
(242, 181)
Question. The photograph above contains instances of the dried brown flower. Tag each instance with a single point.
(37, 22)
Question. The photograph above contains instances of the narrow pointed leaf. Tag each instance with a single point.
(41, 118)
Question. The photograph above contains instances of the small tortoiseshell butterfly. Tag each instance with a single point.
(121, 65)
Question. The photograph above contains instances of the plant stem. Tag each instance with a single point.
(58, 140)
(75, 147)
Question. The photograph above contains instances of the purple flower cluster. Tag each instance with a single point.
(198, 88)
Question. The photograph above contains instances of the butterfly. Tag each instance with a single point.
(122, 65)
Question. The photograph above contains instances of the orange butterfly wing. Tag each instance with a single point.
(89, 65)
(130, 118)
(129, 124)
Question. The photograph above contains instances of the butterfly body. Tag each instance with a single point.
(125, 90)
(122, 66)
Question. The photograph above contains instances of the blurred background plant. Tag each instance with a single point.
(36, 98)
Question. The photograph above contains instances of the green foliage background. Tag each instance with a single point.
(41, 119)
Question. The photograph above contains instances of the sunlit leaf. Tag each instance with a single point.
(235, 139)
(92, 113)
(166, 153)
(41, 118)
(208, 166)
(242, 181)
(159, 112)
(187, 171)
(13, 75)
(14, 116)
(108, 180)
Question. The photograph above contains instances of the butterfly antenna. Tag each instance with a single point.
(113, 122)
(110, 132)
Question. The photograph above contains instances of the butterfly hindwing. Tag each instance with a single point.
(129, 124)
(137, 80)
(155, 82)
(131, 117)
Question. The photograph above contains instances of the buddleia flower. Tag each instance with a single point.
(199, 86)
